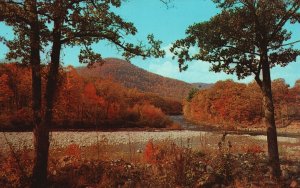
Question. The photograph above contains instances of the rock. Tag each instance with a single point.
(294, 184)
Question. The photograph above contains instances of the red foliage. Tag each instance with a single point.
(150, 112)
(253, 149)
(90, 91)
(73, 150)
(150, 152)
(5, 90)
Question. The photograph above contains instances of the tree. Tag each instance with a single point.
(248, 37)
(38, 24)
(23, 17)
(191, 94)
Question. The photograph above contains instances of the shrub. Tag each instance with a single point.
(73, 150)
(150, 152)
(253, 149)
(154, 116)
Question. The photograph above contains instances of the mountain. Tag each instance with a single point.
(201, 85)
(132, 76)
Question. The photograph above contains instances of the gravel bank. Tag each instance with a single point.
(19, 140)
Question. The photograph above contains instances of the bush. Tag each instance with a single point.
(154, 116)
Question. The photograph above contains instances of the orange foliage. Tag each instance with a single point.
(253, 149)
(150, 112)
(130, 76)
(73, 150)
(80, 101)
(90, 91)
(233, 103)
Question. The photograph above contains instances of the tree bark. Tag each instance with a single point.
(270, 117)
(41, 143)
(52, 81)
(42, 132)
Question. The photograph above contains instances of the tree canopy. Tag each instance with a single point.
(83, 23)
(232, 41)
(42, 25)
(248, 37)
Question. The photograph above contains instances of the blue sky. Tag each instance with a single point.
(167, 25)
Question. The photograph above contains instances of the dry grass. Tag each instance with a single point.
(187, 163)
(159, 164)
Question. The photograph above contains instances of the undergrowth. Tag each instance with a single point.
(160, 164)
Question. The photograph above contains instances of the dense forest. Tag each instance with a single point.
(81, 102)
(133, 77)
(230, 104)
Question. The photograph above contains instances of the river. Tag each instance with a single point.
(191, 136)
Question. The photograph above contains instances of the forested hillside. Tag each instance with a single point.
(133, 77)
(81, 102)
(228, 103)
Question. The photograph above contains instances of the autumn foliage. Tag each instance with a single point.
(81, 102)
(229, 104)
(150, 152)
(130, 76)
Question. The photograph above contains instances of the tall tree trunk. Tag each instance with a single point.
(42, 132)
(41, 142)
(270, 117)
(52, 81)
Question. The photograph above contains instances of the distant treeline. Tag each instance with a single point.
(81, 102)
(229, 104)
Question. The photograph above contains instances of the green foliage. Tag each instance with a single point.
(80, 23)
(236, 40)
(246, 38)
(191, 94)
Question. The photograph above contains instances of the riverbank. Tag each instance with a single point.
(292, 130)
(138, 139)
(150, 159)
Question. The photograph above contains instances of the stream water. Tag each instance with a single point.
(192, 136)
(187, 125)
